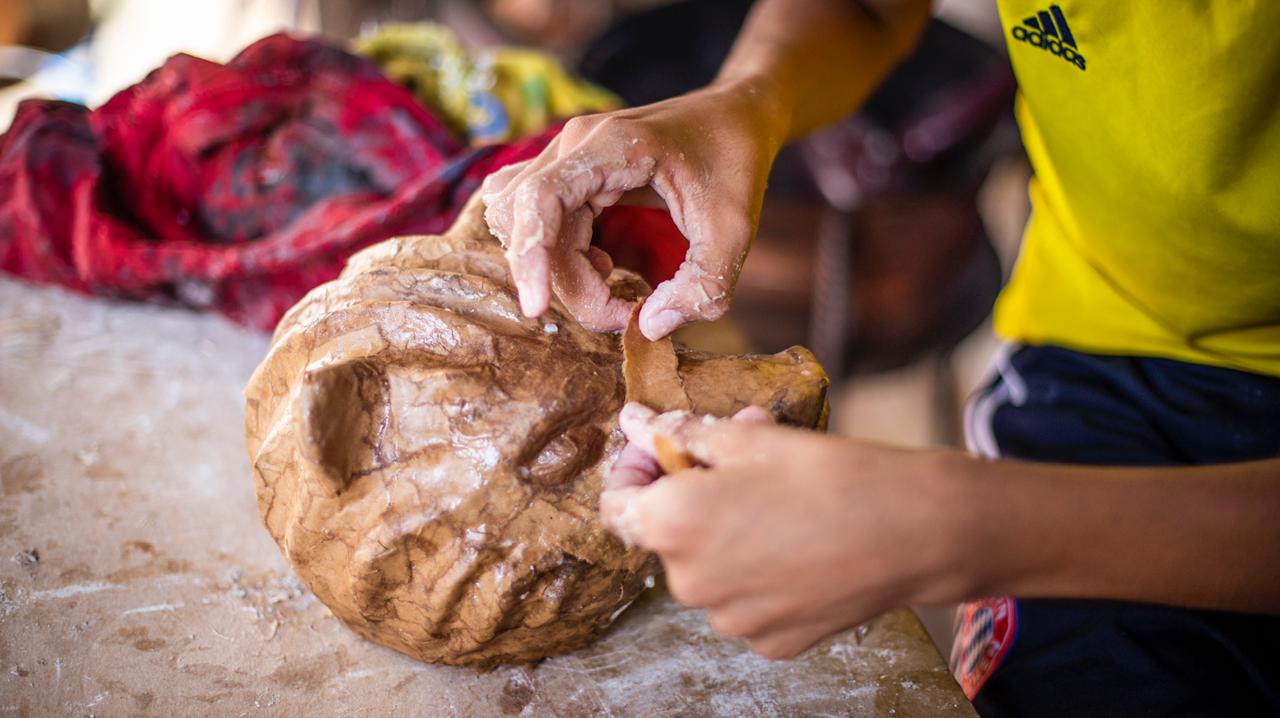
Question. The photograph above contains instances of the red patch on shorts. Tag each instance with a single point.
(985, 630)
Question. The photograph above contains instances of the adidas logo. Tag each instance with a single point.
(1048, 30)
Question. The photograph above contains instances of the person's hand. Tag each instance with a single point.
(788, 536)
(706, 155)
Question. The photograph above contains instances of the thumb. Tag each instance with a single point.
(703, 285)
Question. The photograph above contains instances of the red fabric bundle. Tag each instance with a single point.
(239, 187)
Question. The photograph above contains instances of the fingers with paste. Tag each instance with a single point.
(631, 493)
(704, 156)
(784, 536)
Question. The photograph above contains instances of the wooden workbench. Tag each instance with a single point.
(136, 578)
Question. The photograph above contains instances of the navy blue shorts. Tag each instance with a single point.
(1038, 657)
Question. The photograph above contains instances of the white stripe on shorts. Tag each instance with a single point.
(1010, 389)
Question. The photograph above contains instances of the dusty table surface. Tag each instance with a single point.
(137, 579)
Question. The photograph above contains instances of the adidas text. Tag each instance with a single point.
(1049, 31)
(1037, 39)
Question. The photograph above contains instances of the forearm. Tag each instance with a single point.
(1206, 537)
(815, 61)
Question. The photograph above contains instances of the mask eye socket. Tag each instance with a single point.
(342, 410)
(563, 457)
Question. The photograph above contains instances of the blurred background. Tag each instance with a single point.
(884, 239)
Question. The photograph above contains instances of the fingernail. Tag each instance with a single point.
(529, 304)
(660, 324)
(753, 415)
(622, 478)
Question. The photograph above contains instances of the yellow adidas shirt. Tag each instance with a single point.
(1154, 132)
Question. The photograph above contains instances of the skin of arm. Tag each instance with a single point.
(788, 536)
(797, 65)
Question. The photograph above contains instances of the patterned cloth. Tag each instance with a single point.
(239, 187)
(489, 96)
